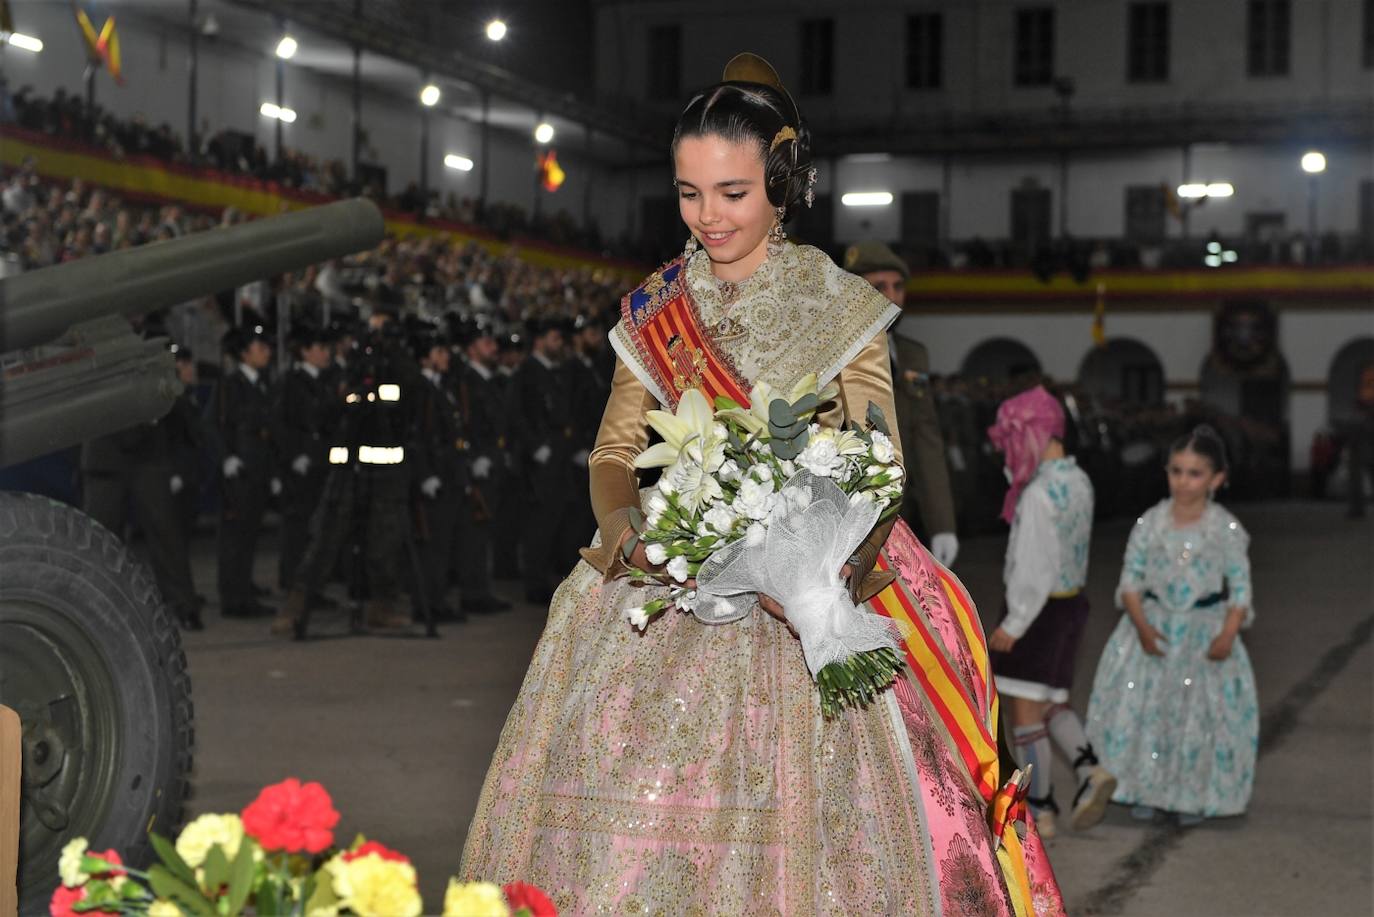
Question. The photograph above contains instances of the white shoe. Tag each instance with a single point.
(1090, 803)
(1044, 823)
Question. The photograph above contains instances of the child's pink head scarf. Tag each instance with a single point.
(1025, 425)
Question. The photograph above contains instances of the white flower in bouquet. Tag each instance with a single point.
(693, 422)
(719, 518)
(822, 457)
(677, 569)
(883, 449)
(755, 499)
(755, 534)
(638, 616)
(729, 471)
(657, 506)
(762, 473)
(690, 481)
(789, 468)
(656, 552)
(861, 496)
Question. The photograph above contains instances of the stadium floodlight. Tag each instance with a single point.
(429, 96)
(1313, 162)
(867, 199)
(544, 132)
(1192, 191)
(461, 163)
(496, 30)
(281, 113)
(23, 42)
(286, 48)
(1212, 261)
(1220, 189)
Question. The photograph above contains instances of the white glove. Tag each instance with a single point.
(430, 486)
(232, 466)
(481, 467)
(945, 547)
(580, 458)
(301, 464)
(175, 484)
(275, 486)
(541, 455)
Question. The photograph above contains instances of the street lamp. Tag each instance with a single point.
(286, 48)
(544, 132)
(429, 96)
(496, 30)
(1313, 162)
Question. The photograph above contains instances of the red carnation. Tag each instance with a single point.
(64, 899)
(522, 895)
(386, 853)
(292, 816)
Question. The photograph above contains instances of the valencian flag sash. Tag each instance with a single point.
(664, 324)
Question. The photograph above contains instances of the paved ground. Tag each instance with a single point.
(400, 730)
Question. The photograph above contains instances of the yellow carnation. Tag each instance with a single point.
(474, 899)
(373, 887)
(163, 908)
(69, 864)
(224, 831)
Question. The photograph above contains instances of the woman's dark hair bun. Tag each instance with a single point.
(761, 116)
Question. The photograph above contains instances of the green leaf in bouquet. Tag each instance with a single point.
(780, 413)
(265, 901)
(791, 431)
(167, 853)
(636, 518)
(806, 404)
(189, 898)
(876, 419)
(627, 550)
(216, 869)
(727, 404)
(322, 899)
(240, 878)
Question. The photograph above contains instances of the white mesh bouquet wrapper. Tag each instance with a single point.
(812, 532)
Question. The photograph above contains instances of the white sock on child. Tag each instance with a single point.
(1031, 747)
(1067, 731)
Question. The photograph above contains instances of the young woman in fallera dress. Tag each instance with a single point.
(1174, 713)
(687, 769)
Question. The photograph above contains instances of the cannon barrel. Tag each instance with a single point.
(71, 370)
(37, 306)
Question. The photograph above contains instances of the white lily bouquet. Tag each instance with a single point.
(764, 500)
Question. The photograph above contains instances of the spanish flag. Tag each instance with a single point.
(102, 48)
(551, 174)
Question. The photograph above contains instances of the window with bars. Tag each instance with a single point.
(1034, 46)
(818, 56)
(1267, 37)
(665, 62)
(1147, 43)
(925, 40)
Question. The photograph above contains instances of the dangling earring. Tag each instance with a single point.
(690, 248)
(776, 235)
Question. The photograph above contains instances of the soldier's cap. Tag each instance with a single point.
(542, 326)
(236, 340)
(422, 342)
(306, 334)
(180, 352)
(871, 255)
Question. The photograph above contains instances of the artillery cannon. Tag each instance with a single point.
(89, 656)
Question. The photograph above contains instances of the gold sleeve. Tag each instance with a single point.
(868, 378)
(623, 435)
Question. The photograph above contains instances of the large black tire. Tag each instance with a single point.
(92, 661)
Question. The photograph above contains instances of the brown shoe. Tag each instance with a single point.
(381, 616)
(290, 616)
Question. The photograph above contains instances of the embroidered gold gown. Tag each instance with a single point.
(687, 769)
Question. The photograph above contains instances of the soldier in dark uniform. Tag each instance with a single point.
(591, 389)
(919, 425)
(134, 468)
(541, 408)
(186, 435)
(242, 414)
(439, 469)
(507, 525)
(481, 399)
(306, 417)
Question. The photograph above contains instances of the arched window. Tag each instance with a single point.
(1123, 370)
(1000, 360)
(1344, 378)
